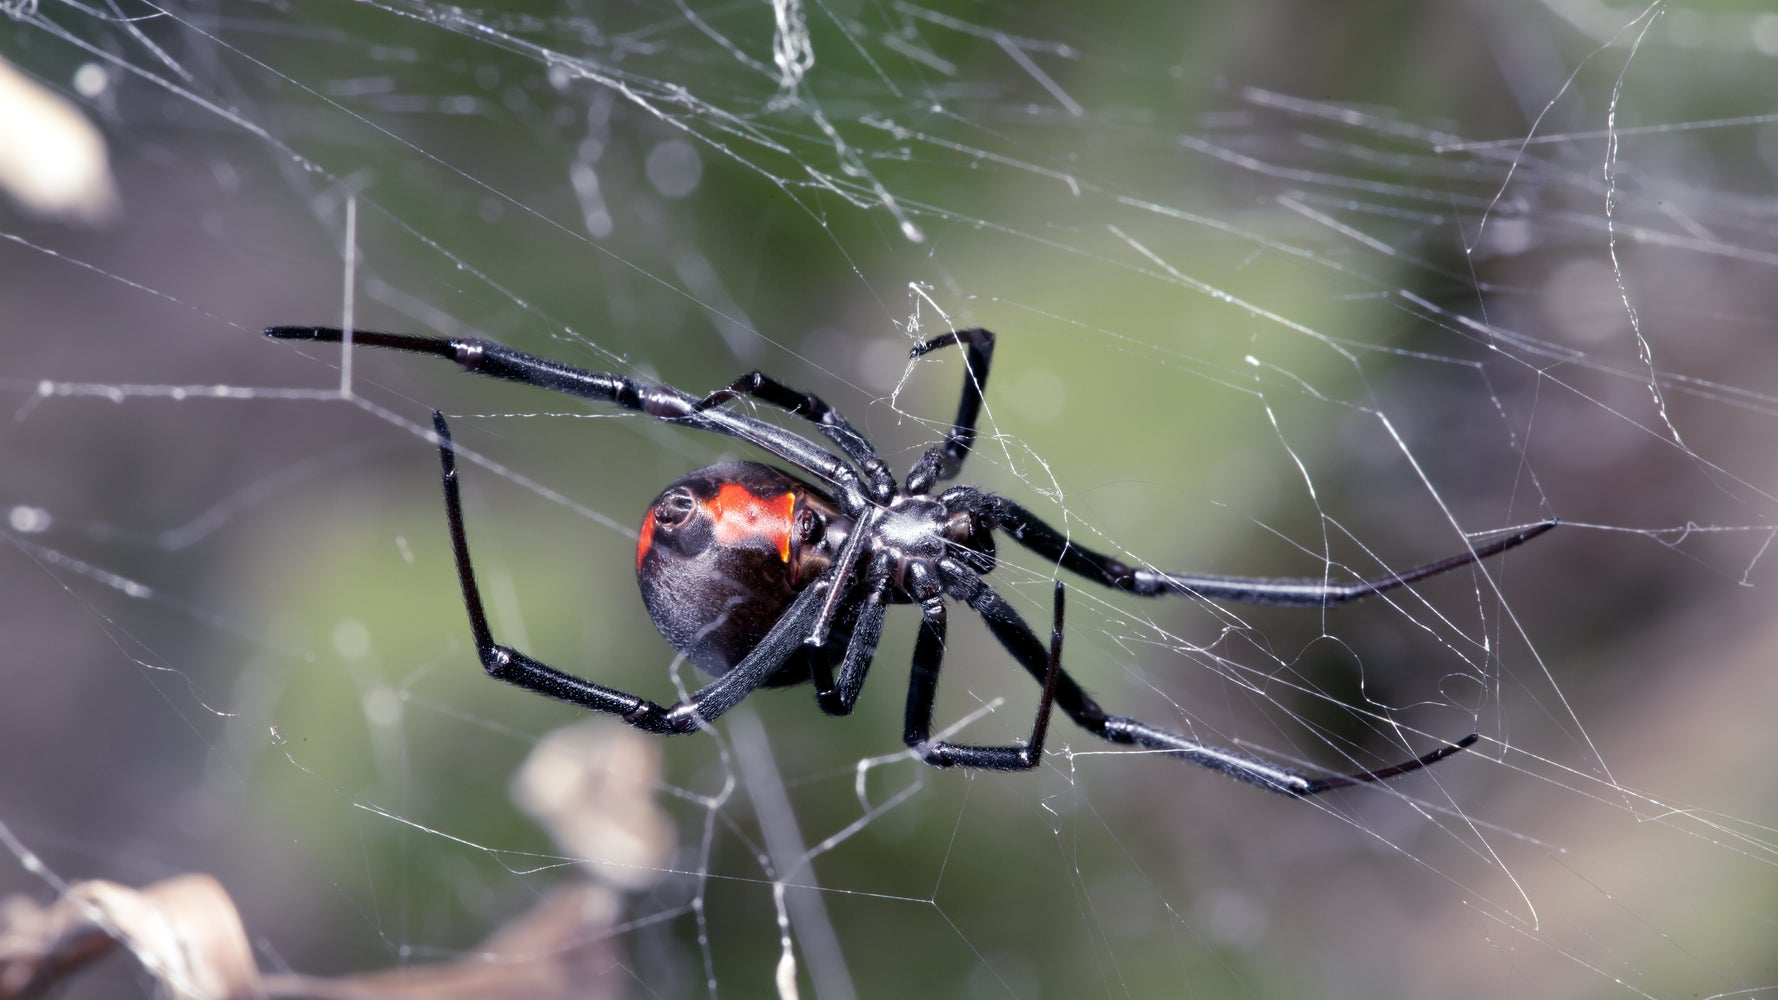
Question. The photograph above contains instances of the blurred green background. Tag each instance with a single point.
(1276, 284)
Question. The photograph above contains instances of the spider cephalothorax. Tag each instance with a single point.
(765, 579)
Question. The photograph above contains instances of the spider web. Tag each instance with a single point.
(1279, 291)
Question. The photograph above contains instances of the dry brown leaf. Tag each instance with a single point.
(185, 931)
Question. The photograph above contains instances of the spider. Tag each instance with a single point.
(767, 579)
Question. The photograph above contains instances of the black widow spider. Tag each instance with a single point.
(764, 579)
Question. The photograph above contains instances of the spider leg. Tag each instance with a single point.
(946, 460)
(861, 646)
(484, 357)
(514, 667)
(1024, 646)
(929, 651)
(814, 409)
(1025, 528)
(839, 576)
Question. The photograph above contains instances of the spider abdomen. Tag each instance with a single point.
(724, 550)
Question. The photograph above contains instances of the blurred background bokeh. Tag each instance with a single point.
(1282, 288)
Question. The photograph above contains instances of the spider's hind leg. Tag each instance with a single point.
(504, 663)
(862, 627)
(814, 409)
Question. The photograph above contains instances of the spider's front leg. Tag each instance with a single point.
(946, 460)
(1027, 649)
(507, 664)
(1028, 530)
(929, 651)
